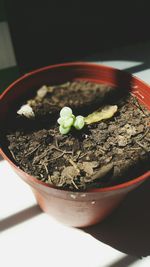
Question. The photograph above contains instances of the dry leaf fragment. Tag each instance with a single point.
(88, 166)
(101, 114)
(104, 170)
(69, 172)
(41, 93)
(50, 89)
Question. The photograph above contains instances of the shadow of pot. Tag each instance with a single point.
(77, 209)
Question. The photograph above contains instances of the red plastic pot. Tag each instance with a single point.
(78, 209)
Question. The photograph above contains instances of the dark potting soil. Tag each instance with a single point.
(101, 154)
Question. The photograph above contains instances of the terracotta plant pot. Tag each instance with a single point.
(77, 209)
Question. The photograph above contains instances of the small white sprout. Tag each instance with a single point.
(79, 122)
(64, 130)
(66, 120)
(66, 112)
(60, 121)
(26, 111)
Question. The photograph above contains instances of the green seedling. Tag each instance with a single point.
(68, 120)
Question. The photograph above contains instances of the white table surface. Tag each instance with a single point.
(31, 238)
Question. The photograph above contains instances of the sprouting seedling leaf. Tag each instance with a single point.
(66, 112)
(105, 113)
(64, 130)
(79, 122)
(67, 119)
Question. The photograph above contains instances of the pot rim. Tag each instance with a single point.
(33, 179)
(80, 63)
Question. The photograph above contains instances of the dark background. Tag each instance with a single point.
(47, 32)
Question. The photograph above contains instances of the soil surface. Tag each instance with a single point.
(101, 154)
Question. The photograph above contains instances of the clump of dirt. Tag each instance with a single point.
(101, 154)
